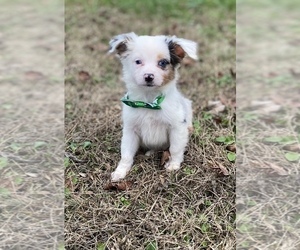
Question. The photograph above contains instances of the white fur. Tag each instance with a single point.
(152, 129)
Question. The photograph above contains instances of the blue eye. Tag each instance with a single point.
(163, 63)
(138, 61)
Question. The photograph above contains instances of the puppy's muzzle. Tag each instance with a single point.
(149, 79)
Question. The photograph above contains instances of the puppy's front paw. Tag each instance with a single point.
(118, 175)
(172, 166)
(150, 153)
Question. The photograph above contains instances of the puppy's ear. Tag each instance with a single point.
(180, 47)
(121, 43)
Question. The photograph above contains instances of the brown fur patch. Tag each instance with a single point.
(176, 53)
(121, 48)
(179, 51)
(169, 75)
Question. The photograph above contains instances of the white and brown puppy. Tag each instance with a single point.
(155, 114)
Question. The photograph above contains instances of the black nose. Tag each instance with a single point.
(149, 77)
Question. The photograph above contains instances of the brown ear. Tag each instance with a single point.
(121, 48)
(179, 48)
(176, 53)
(119, 44)
(179, 51)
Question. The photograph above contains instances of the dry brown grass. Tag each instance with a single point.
(267, 183)
(193, 208)
(32, 129)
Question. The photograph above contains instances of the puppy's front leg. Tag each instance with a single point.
(129, 147)
(178, 141)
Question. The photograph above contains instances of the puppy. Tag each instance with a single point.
(155, 114)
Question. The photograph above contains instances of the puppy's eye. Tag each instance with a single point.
(138, 61)
(163, 63)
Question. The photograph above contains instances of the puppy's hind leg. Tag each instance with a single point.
(129, 147)
(187, 104)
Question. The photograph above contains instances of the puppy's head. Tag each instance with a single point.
(151, 61)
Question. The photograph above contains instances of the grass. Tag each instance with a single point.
(31, 135)
(267, 134)
(193, 208)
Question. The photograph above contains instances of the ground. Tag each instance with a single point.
(193, 208)
(32, 127)
(268, 125)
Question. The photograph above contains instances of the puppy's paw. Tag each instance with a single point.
(118, 175)
(172, 166)
(150, 153)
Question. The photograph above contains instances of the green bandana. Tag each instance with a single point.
(140, 104)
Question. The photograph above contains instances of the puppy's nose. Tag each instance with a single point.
(149, 77)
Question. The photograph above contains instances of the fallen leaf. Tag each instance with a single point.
(220, 74)
(34, 175)
(33, 75)
(265, 106)
(272, 74)
(165, 157)
(228, 102)
(223, 170)
(276, 169)
(231, 148)
(118, 186)
(216, 106)
(83, 76)
(292, 147)
(82, 174)
(213, 103)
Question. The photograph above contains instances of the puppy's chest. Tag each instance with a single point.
(152, 128)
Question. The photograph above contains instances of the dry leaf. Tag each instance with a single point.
(228, 102)
(165, 157)
(118, 186)
(82, 174)
(277, 169)
(220, 74)
(224, 171)
(34, 175)
(33, 75)
(217, 106)
(231, 148)
(265, 106)
(83, 76)
(292, 147)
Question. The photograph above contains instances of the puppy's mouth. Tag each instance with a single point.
(150, 84)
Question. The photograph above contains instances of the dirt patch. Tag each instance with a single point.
(193, 208)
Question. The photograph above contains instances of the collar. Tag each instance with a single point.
(140, 104)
